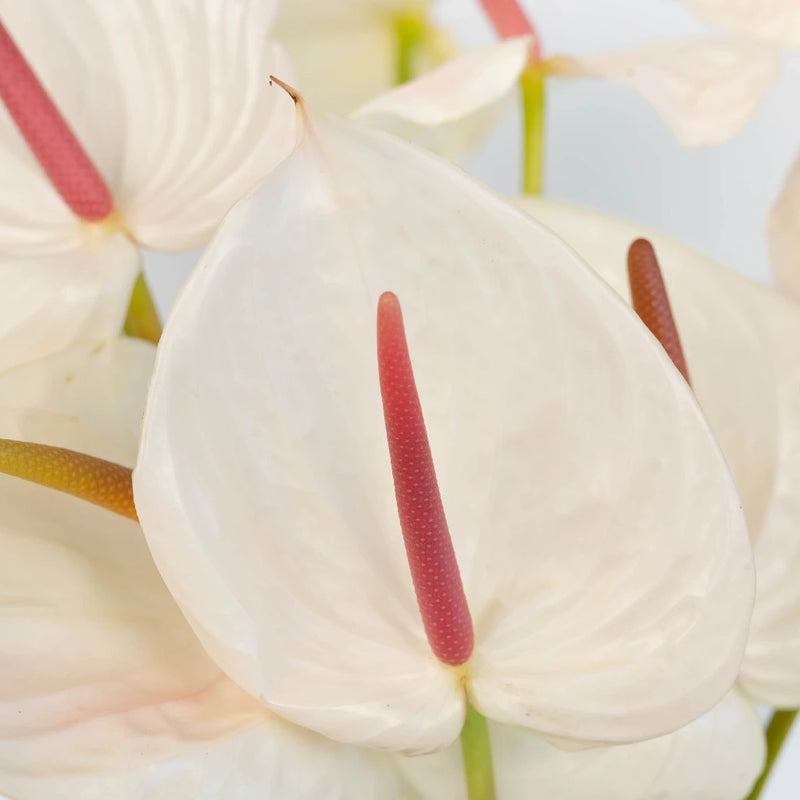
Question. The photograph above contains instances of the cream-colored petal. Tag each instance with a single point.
(597, 528)
(741, 342)
(705, 89)
(98, 667)
(104, 690)
(724, 335)
(271, 761)
(777, 21)
(717, 757)
(345, 51)
(771, 669)
(50, 301)
(784, 233)
(170, 100)
(451, 108)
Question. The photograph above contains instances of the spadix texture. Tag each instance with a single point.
(171, 104)
(105, 692)
(741, 345)
(597, 530)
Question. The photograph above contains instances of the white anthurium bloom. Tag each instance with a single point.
(706, 90)
(596, 529)
(345, 52)
(104, 689)
(775, 21)
(740, 341)
(170, 103)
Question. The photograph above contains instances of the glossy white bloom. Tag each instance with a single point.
(171, 102)
(741, 344)
(776, 21)
(105, 692)
(596, 527)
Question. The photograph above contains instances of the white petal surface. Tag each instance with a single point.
(75, 294)
(777, 21)
(741, 343)
(171, 101)
(597, 529)
(345, 51)
(717, 757)
(104, 690)
(784, 233)
(705, 89)
(452, 107)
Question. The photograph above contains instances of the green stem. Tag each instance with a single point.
(142, 320)
(533, 112)
(477, 752)
(777, 731)
(410, 31)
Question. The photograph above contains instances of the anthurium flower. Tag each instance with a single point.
(149, 125)
(740, 341)
(104, 689)
(594, 533)
(706, 89)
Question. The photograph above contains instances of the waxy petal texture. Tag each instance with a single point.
(706, 90)
(74, 294)
(105, 690)
(717, 757)
(170, 101)
(595, 524)
(777, 21)
(784, 233)
(451, 107)
(741, 343)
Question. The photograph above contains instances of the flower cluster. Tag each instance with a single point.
(404, 503)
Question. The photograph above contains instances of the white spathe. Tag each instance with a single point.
(742, 345)
(776, 21)
(717, 757)
(597, 529)
(706, 90)
(453, 107)
(105, 692)
(171, 102)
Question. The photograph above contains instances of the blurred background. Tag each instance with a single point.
(607, 149)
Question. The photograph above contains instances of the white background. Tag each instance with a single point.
(607, 149)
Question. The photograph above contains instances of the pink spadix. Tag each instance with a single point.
(509, 20)
(431, 558)
(49, 136)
